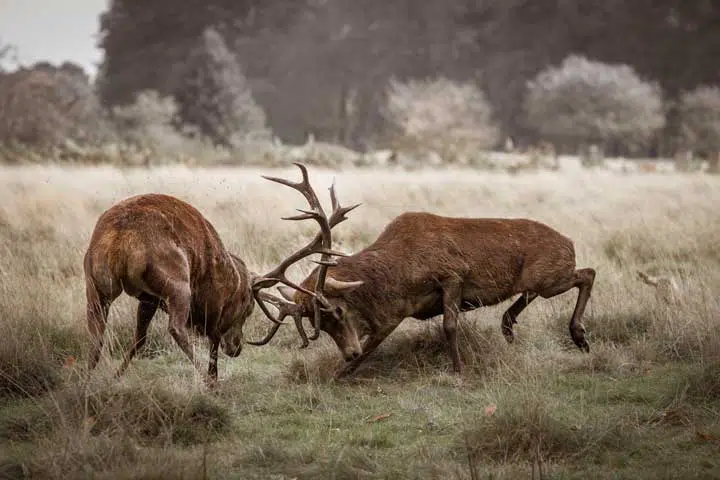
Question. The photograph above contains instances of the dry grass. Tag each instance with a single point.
(644, 403)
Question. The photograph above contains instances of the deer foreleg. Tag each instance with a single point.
(212, 366)
(510, 316)
(452, 296)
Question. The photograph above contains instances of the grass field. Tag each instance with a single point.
(644, 403)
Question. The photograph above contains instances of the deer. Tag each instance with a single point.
(166, 254)
(423, 265)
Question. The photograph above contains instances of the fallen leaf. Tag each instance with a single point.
(88, 423)
(379, 417)
(70, 362)
(490, 410)
(706, 437)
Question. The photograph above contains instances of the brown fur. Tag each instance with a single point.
(423, 265)
(163, 252)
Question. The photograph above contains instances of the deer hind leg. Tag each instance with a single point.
(172, 286)
(178, 302)
(145, 312)
(509, 318)
(452, 296)
(583, 280)
(98, 306)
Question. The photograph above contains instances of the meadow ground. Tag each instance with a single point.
(644, 403)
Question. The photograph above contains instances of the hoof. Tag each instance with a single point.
(507, 331)
(578, 336)
(211, 383)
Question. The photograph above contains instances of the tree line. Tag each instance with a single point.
(634, 77)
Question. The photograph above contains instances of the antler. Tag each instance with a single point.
(285, 308)
(321, 243)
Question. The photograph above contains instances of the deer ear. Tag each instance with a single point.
(287, 292)
(338, 287)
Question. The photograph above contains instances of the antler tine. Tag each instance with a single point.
(339, 212)
(333, 196)
(303, 187)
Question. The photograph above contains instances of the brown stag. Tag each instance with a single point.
(423, 265)
(166, 254)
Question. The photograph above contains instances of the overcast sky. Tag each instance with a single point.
(53, 30)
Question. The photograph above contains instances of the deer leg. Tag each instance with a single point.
(145, 312)
(583, 279)
(171, 281)
(368, 346)
(212, 367)
(96, 319)
(452, 296)
(509, 318)
(178, 303)
(98, 306)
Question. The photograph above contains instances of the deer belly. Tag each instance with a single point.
(426, 306)
(474, 296)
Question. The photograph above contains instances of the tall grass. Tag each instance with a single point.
(648, 386)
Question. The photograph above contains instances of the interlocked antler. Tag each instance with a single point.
(285, 308)
(322, 244)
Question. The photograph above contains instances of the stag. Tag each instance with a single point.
(424, 265)
(163, 252)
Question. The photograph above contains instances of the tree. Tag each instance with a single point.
(148, 121)
(7, 54)
(699, 114)
(44, 105)
(322, 66)
(448, 117)
(146, 43)
(214, 95)
(583, 102)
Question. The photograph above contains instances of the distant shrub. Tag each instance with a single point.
(46, 105)
(148, 122)
(214, 96)
(440, 114)
(582, 101)
(699, 112)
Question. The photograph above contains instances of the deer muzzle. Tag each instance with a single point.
(351, 353)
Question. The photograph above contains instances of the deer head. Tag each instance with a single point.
(320, 303)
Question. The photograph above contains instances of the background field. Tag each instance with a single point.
(645, 403)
